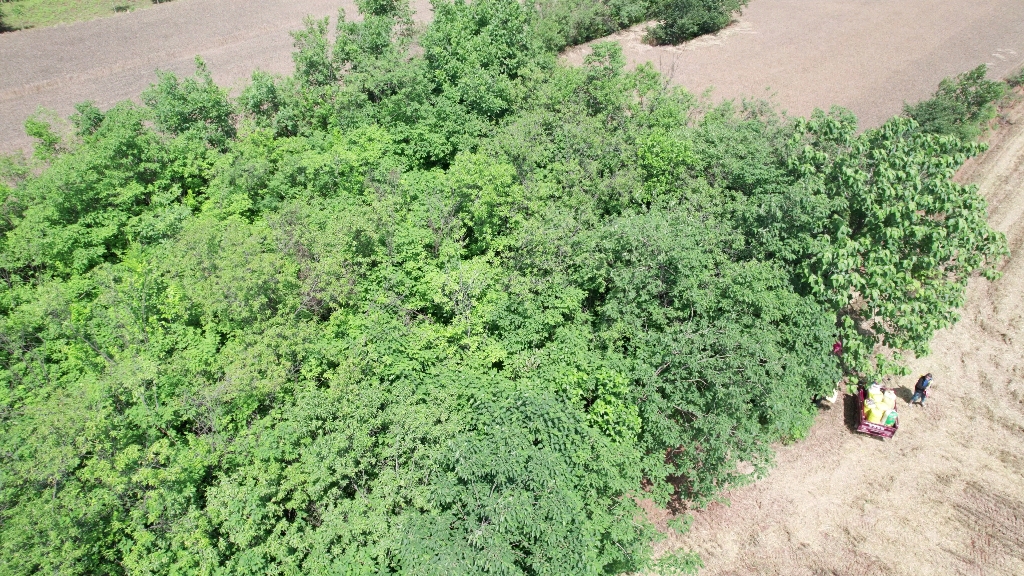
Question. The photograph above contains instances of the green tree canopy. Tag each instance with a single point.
(438, 304)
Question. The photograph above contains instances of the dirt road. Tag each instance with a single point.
(113, 59)
(870, 56)
(946, 496)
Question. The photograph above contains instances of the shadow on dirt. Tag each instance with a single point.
(4, 27)
(904, 393)
(851, 417)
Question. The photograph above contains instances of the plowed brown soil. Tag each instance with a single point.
(946, 495)
(870, 56)
(114, 59)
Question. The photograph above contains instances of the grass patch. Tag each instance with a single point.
(22, 14)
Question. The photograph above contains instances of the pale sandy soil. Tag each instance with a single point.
(115, 58)
(946, 495)
(870, 56)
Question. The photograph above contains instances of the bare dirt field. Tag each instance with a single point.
(867, 55)
(114, 59)
(870, 56)
(946, 495)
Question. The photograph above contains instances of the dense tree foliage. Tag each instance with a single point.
(680, 20)
(961, 107)
(902, 240)
(438, 305)
(562, 23)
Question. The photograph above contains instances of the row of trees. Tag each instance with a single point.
(439, 305)
(564, 23)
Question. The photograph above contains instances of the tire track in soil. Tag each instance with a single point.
(998, 522)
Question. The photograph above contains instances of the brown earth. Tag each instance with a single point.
(946, 495)
(870, 56)
(114, 59)
(867, 55)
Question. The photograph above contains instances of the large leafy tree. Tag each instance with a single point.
(901, 239)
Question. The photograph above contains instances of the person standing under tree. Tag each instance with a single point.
(921, 389)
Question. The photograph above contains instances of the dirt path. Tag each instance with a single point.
(946, 496)
(113, 59)
(870, 56)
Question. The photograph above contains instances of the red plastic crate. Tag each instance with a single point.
(870, 428)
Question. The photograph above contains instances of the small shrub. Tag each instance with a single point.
(193, 104)
(681, 524)
(961, 107)
(1016, 79)
(679, 563)
(312, 56)
(562, 23)
(45, 127)
(87, 118)
(681, 20)
(260, 99)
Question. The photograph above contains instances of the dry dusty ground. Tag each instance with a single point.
(945, 496)
(114, 59)
(870, 56)
(867, 55)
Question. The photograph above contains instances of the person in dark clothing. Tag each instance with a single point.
(921, 389)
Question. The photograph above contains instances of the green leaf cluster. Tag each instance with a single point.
(962, 106)
(562, 23)
(681, 20)
(901, 239)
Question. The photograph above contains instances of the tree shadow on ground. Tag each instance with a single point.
(851, 415)
(676, 503)
(5, 27)
(904, 393)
